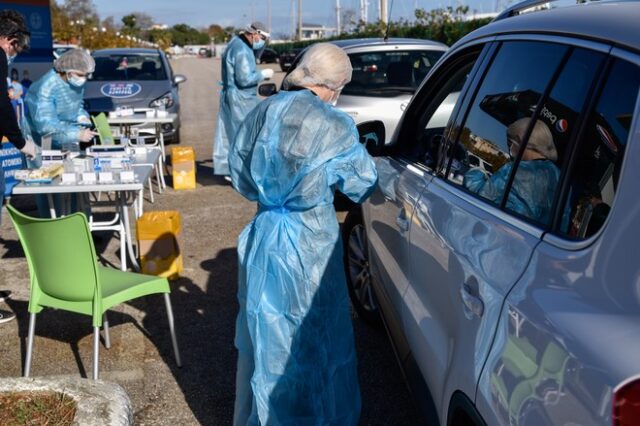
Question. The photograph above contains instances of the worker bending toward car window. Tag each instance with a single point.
(296, 351)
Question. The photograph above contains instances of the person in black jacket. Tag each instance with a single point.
(14, 38)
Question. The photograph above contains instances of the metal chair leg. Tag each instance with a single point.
(174, 340)
(151, 190)
(96, 349)
(32, 329)
(158, 179)
(105, 328)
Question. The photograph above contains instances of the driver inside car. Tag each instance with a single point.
(536, 178)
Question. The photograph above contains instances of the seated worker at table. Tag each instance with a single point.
(536, 178)
(54, 105)
(54, 102)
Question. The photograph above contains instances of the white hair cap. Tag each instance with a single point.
(258, 27)
(75, 60)
(323, 64)
(541, 139)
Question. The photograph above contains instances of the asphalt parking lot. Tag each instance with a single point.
(140, 359)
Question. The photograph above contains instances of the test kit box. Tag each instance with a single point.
(158, 243)
(53, 157)
(183, 167)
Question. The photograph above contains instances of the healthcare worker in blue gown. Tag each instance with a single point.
(536, 178)
(296, 352)
(55, 105)
(240, 78)
(56, 101)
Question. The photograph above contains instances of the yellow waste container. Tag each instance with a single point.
(183, 166)
(157, 234)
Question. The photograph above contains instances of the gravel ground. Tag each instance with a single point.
(140, 359)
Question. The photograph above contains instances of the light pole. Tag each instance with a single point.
(299, 20)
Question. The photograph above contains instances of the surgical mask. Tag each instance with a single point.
(76, 81)
(334, 98)
(257, 45)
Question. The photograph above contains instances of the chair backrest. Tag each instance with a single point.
(61, 255)
(102, 126)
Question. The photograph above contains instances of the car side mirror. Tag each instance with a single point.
(179, 78)
(372, 136)
(267, 89)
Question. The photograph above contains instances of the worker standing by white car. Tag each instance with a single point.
(240, 79)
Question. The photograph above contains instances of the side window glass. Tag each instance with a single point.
(593, 179)
(537, 176)
(482, 159)
(435, 114)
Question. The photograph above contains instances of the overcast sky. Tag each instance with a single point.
(200, 13)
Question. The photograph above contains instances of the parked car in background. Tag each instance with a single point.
(386, 74)
(268, 56)
(204, 52)
(503, 263)
(136, 78)
(60, 49)
(287, 58)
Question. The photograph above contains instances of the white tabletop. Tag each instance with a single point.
(141, 173)
(142, 118)
(142, 165)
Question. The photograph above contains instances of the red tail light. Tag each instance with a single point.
(626, 405)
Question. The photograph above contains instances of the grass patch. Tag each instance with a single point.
(36, 408)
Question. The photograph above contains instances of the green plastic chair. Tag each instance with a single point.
(104, 130)
(65, 275)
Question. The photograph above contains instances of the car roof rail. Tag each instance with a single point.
(519, 7)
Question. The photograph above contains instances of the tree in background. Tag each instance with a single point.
(77, 22)
(81, 10)
(217, 33)
(183, 34)
(163, 38)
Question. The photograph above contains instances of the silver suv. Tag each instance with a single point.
(498, 245)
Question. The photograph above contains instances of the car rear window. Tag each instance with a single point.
(129, 67)
(389, 73)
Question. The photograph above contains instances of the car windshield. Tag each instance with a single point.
(126, 67)
(389, 73)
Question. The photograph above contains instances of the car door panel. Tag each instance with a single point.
(458, 247)
(388, 216)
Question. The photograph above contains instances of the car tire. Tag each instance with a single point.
(356, 264)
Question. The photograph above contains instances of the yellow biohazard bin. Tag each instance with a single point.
(158, 243)
(183, 166)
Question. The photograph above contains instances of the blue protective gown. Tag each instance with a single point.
(296, 353)
(54, 107)
(532, 190)
(240, 78)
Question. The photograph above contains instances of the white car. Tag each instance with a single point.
(386, 74)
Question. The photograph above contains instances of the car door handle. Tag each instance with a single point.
(473, 304)
(402, 221)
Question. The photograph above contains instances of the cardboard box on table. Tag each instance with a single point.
(158, 242)
(183, 166)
